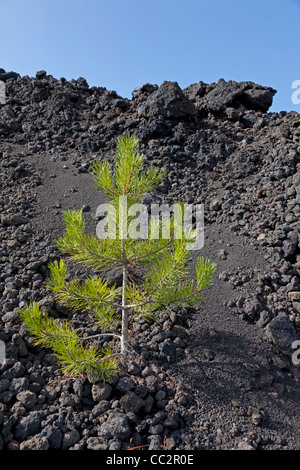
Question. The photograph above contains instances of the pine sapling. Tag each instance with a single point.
(127, 243)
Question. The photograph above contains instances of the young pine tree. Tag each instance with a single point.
(164, 259)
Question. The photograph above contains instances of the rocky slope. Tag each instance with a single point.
(218, 377)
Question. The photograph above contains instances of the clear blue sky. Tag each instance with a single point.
(121, 44)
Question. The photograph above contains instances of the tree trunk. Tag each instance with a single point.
(123, 236)
(124, 334)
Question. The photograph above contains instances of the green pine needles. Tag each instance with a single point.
(129, 242)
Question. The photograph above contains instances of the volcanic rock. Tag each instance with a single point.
(168, 101)
(282, 333)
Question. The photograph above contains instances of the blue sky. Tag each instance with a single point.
(121, 44)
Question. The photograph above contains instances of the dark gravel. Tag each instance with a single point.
(217, 377)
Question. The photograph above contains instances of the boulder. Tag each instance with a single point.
(217, 98)
(145, 89)
(29, 425)
(168, 101)
(257, 97)
(116, 426)
(13, 219)
(222, 96)
(131, 402)
(281, 332)
(8, 75)
(101, 391)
